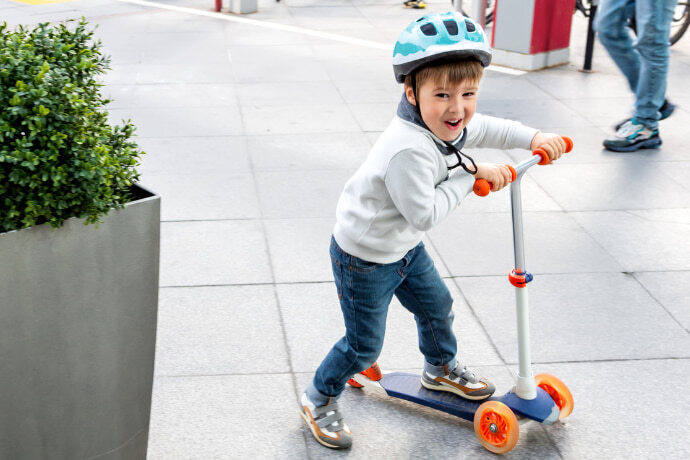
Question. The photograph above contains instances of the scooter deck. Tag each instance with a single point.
(406, 386)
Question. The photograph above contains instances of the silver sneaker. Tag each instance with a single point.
(326, 423)
(460, 381)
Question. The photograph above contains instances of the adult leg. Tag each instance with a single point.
(610, 24)
(653, 25)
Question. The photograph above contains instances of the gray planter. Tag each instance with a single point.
(78, 309)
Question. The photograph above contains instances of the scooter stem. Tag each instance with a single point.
(526, 387)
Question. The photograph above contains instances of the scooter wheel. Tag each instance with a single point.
(558, 391)
(496, 427)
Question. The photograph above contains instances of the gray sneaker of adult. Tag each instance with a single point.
(460, 381)
(666, 111)
(326, 423)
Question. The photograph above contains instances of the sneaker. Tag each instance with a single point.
(418, 4)
(633, 136)
(666, 111)
(461, 382)
(326, 423)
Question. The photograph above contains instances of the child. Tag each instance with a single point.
(402, 190)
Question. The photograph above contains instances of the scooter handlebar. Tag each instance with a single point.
(482, 187)
(545, 156)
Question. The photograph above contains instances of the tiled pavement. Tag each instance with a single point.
(250, 134)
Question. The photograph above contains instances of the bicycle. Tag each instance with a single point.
(679, 24)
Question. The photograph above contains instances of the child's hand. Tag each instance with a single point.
(552, 144)
(498, 175)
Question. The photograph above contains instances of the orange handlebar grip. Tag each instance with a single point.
(482, 187)
(513, 173)
(545, 156)
(568, 144)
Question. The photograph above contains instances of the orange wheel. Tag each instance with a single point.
(496, 427)
(558, 391)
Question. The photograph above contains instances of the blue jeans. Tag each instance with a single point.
(365, 290)
(644, 62)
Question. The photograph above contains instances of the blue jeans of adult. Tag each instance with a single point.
(644, 62)
(365, 290)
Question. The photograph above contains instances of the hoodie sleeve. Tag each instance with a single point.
(410, 180)
(493, 132)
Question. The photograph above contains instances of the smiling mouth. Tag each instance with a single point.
(453, 124)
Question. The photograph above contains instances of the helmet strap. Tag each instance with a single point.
(413, 78)
(454, 150)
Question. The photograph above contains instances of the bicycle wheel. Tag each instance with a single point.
(681, 20)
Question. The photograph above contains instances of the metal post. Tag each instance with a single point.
(457, 5)
(589, 48)
(526, 388)
(479, 12)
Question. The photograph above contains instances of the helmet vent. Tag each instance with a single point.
(451, 26)
(428, 29)
(470, 26)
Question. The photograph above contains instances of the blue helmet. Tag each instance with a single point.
(439, 37)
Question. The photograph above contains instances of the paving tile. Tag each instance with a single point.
(206, 196)
(275, 64)
(192, 48)
(170, 22)
(182, 121)
(172, 95)
(562, 83)
(220, 72)
(298, 119)
(213, 253)
(300, 249)
(373, 117)
(611, 186)
(307, 307)
(302, 152)
(671, 290)
(222, 417)
(288, 93)
(300, 193)
(624, 422)
(578, 317)
(194, 155)
(494, 87)
(542, 114)
(361, 69)
(413, 431)
(649, 240)
(473, 244)
(212, 330)
(250, 35)
(373, 92)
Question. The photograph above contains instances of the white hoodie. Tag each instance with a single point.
(403, 188)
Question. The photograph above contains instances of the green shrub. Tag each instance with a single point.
(59, 157)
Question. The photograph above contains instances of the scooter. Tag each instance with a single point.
(543, 398)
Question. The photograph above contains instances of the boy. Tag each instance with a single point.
(402, 190)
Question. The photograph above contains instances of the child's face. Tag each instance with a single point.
(446, 110)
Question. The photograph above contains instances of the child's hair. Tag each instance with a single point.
(449, 72)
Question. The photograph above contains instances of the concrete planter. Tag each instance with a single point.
(78, 310)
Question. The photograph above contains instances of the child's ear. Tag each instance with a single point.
(410, 95)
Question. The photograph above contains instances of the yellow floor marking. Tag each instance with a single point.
(41, 2)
